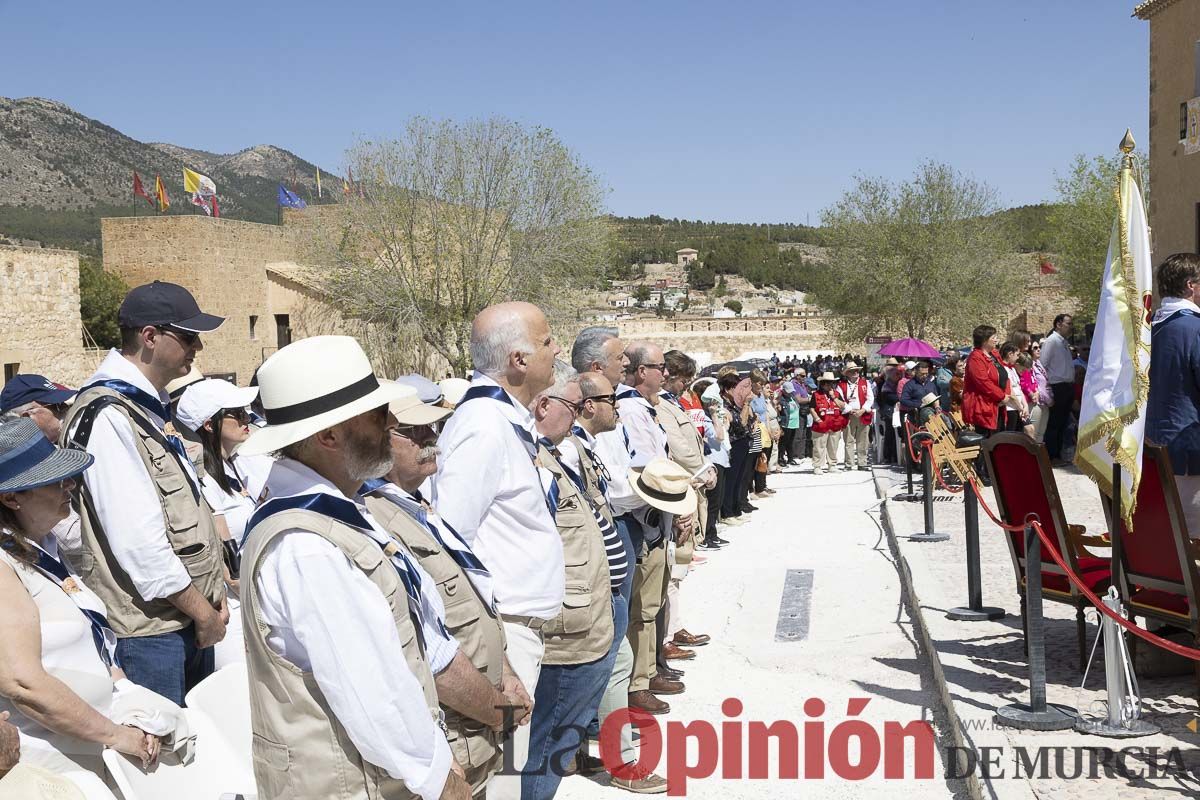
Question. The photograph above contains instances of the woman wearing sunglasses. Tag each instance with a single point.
(59, 676)
(215, 410)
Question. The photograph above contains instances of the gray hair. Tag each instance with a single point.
(491, 347)
(589, 346)
(638, 353)
(564, 376)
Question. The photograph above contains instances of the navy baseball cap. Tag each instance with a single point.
(162, 303)
(22, 389)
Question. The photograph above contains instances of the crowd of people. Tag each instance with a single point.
(419, 577)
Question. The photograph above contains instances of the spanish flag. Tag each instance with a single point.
(160, 193)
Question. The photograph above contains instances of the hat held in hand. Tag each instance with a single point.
(664, 485)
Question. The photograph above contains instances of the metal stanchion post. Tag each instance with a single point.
(974, 610)
(1037, 715)
(1124, 713)
(929, 534)
(908, 496)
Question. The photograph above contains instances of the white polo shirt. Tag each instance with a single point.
(489, 489)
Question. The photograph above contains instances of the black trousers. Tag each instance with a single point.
(735, 478)
(786, 442)
(760, 478)
(1060, 415)
(715, 497)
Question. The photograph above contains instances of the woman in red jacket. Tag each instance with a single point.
(985, 387)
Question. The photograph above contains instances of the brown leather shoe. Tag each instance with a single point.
(685, 639)
(661, 685)
(647, 702)
(670, 672)
(588, 764)
(651, 784)
(673, 652)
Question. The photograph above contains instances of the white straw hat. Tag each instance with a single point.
(410, 410)
(664, 485)
(200, 401)
(314, 384)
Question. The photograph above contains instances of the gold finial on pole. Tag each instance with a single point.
(1127, 143)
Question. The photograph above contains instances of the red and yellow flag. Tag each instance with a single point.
(160, 192)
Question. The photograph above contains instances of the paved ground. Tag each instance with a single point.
(859, 642)
(985, 667)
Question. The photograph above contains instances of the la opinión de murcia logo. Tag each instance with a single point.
(852, 749)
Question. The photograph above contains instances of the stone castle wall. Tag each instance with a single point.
(239, 270)
(40, 327)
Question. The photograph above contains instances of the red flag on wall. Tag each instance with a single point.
(139, 190)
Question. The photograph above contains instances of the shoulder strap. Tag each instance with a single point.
(82, 432)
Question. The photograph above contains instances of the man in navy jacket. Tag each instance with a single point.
(1173, 410)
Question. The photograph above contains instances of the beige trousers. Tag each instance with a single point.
(856, 437)
(649, 588)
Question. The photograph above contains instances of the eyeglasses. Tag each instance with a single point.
(575, 407)
(660, 367)
(411, 431)
(186, 338)
(611, 399)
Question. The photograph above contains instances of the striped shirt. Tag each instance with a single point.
(614, 546)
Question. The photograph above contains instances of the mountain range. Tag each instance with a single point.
(60, 171)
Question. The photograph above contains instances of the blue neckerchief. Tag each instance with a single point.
(348, 513)
(143, 398)
(632, 394)
(149, 403)
(462, 554)
(55, 569)
(493, 392)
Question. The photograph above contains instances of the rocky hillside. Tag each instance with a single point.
(53, 158)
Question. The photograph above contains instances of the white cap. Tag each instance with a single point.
(453, 390)
(205, 398)
(910, 365)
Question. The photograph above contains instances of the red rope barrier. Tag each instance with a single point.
(1141, 633)
(909, 429)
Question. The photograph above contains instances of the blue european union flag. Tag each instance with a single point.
(290, 199)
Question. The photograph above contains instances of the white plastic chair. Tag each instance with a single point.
(214, 773)
(224, 697)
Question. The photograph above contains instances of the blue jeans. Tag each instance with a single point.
(167, 663)
(565, 702)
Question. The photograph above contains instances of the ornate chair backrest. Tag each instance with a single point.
(1024, 487)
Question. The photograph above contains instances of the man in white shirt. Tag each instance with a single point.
(149, 547)
(1060, 372)
(636, 400)
(499, 506)
(338, 617)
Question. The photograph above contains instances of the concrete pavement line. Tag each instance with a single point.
(794, 606)
(917, 615)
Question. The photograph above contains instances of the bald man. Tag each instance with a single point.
(490, 490)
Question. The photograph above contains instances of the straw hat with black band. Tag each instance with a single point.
(314, 384)
(664, 485)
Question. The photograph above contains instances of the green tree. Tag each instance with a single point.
(720, 290)
(100, 295)
(456, 216)
(735, 306)
(642, 294)
(1080, 224)
(921, 257)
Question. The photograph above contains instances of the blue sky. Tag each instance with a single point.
(734, 111)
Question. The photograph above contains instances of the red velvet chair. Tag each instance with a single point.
(1159, 578)
(1024, 485)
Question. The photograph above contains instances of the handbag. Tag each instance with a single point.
(761, 464)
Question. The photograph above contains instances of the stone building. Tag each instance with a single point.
(40, 327)
(686, 256)
(1174, 124)
(244, 271)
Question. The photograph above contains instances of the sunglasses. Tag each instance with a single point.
(410, 432)
(611, 399)
(238, 415)
(186, 338)
(575, 407)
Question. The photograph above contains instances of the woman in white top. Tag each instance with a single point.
(57, 653)
(215, 410)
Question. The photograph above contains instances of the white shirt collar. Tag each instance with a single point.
(517, 412)
(1172, 305)
(289, 478)
(116, 367)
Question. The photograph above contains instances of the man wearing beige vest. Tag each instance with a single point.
(150, 549)
(579, 640)
(686, 450)
(344, 630)
(474, 695)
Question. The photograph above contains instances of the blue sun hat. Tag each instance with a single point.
(29, 460)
